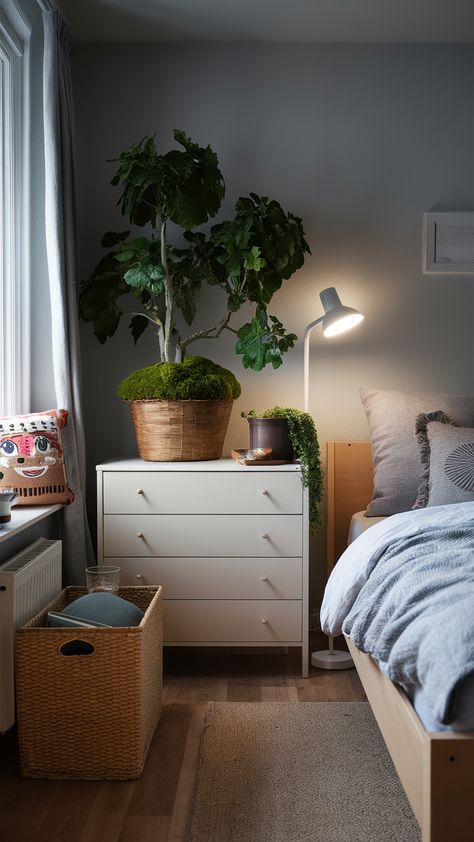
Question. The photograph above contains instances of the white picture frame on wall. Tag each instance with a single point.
(448, 243)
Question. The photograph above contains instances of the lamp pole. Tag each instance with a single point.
(335, 313)
(307, 335)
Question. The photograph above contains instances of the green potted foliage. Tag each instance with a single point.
(247, 258)
(291, 431)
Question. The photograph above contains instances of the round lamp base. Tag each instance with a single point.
(331, 659)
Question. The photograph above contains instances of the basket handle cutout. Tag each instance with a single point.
(76, 647)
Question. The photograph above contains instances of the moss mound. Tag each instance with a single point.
(195, 379)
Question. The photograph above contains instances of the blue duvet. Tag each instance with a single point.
(404, 593)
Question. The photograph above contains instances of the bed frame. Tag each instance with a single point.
(435, 768)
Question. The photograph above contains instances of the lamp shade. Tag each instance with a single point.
(337, 317)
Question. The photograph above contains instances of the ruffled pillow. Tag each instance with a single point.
(447, 457)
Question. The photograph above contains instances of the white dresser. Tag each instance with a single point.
(228, 543)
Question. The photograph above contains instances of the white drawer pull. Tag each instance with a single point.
(139, 576)
(139, 534)
(264, 491)
(139, 490)
(265, 622)
(264, 535)
(263, 579)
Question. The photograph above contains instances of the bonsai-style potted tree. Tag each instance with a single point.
(181, 404)
(292, 434)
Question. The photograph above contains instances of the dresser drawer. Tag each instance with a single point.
(161, 492)
(202, 535)
(231, 621)
(215, 578)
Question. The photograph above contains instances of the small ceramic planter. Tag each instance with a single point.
(273, 433)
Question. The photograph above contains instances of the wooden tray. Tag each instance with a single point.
(237, 456)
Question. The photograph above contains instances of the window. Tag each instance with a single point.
(14, 213)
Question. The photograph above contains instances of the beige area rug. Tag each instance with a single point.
(303, 772)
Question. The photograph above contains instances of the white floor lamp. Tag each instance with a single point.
(336, 319)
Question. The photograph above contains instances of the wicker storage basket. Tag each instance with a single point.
(180, 431)
(89, 716)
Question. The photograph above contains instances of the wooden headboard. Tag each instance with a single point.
(349, 486)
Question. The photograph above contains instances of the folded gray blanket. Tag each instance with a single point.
(415, 612)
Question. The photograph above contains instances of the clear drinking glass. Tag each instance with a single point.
(7, 496)
(102, 577)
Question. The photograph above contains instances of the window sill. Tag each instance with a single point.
(24, 517)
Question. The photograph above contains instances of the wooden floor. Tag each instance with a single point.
(154, 808)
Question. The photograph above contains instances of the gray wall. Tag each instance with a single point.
(357, 140)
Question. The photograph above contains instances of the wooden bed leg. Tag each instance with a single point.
(448, 789)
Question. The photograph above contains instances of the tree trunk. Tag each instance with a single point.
(168, 326)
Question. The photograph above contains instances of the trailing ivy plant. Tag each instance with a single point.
(304, 440)
(248, 257)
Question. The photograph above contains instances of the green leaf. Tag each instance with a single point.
(105, 268)
(186, 299)
(139, 174)
(187, 270)
(154, 271)
(261, 343)
(106, 323)
(253, 261)
(138, 325)
(136, 277)
(124, 255)
(192, 186)
(111, 239)
(139, 247)
(99, 294)
(251, 344)
(154, 251)
(182, 138)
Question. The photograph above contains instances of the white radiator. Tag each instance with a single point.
(28, 581)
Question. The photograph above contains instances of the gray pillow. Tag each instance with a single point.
(421, 432)
(447, 452)
(397, 466)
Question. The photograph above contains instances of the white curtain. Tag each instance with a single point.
(63, 281)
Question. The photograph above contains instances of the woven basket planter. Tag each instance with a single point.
(180, 431)
(89, 716)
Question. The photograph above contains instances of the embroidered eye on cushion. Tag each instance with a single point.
(447, 455)
(31, 458)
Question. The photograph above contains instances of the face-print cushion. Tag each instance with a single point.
(32, 460)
